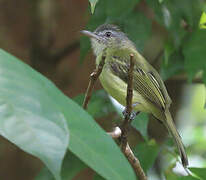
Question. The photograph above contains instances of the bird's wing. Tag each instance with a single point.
(145, 82)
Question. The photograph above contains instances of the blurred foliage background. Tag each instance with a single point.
(171, 34)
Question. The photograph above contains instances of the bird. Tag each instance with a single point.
(149, 92)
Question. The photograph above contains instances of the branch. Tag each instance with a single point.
(125, 126)
(93, 77)
(118, 133)
(126, 122)
(65, 51)
(135, 163)
(129, 155)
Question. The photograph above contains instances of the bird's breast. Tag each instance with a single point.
(117, 88)
(113, 84)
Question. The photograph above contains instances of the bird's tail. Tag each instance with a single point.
(173, 131)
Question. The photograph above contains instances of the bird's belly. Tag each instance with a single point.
(117, 88)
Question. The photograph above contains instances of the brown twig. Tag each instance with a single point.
(93, 77)
(135, 163)
(115, 134)
(118, 133)
(125, 124)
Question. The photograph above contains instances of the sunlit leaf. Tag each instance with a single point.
(202, 23)
(93, 4)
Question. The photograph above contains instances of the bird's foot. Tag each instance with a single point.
(132, 115)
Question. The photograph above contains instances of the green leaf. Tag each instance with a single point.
(27, 89)
(121, 7)
(137, 32)
(96, 19)
(70, 168)
(93, 4)
(95, 148)
(200, 172)
(97, 177)
(99, 104)
(44, 174)
(202, 23)
(194, 51)
(186, 178)
(147, 153)
(174, 66)
(174, 14)
(172, 176)
(30, 117)
(105, 13)
(168, 50)
(140, 123)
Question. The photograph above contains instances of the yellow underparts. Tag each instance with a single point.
(117, 88)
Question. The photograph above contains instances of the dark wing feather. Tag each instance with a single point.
(144, 82)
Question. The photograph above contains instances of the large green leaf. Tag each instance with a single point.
(200, 172)
(172, 176)
(30, 118)
(33, 114)
(97, 177)
(70, 168)
(94, 147)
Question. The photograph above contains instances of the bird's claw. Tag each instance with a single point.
(132, 115)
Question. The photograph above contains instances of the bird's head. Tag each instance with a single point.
(107, 36)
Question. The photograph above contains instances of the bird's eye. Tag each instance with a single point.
(108, 34)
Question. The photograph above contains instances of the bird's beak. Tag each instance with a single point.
(90, 34)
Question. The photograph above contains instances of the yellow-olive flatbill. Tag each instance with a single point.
(149, 92)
